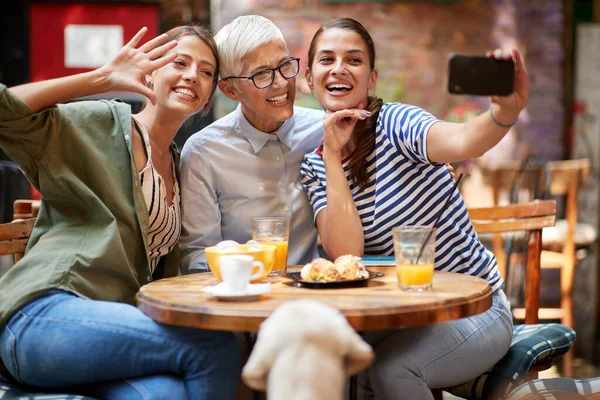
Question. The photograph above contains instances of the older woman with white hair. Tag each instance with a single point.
(262, 143)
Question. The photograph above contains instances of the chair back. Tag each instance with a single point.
(531, 182)
(531, 218)
(25, 209)
(567, 177)
(14, 237)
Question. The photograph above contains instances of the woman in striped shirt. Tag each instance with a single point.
(380, 166)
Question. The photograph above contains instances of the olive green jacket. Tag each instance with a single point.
(90, 237)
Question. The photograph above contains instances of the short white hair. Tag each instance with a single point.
(242, 36)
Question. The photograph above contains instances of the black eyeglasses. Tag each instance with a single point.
(263, 79)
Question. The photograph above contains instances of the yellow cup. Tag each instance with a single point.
(265, 253)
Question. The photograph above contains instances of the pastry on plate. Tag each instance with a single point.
(320, 269)
(346, 267)
(349, 267)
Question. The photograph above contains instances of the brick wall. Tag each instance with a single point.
(178, 12)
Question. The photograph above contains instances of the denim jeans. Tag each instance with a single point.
(410, 361)
(113, 351)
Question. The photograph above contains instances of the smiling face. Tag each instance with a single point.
(340, 73)
(185, 85)
(266, 109)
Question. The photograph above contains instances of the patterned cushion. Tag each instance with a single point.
(9, 391)
(557, 388)
(531, 345)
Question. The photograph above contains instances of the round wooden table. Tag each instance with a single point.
(379, 305)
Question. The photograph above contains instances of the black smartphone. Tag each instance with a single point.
(480, 75)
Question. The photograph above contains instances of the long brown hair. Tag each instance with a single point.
(364, 130)
(205, 36)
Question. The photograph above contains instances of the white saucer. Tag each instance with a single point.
(253, 291)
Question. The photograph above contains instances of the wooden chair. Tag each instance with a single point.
(529, 217)
(25, 209)
(562, 241)
(559, 249)
(533, 346)
(14, 237)
(24, 213)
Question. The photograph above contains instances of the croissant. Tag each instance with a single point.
(346, 267)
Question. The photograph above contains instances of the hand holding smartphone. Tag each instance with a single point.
(480, 75)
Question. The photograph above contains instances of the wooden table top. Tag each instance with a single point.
(380, 305)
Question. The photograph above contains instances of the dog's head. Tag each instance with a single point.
(303, 323)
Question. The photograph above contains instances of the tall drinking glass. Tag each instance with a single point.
(414, 275)
(275, 231)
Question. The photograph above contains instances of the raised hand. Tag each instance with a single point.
(338, 127)
(128, 69)
(518, 99)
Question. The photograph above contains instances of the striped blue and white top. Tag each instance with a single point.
(405, 188)
(164, 220)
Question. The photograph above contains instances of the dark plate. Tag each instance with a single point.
(295, 276)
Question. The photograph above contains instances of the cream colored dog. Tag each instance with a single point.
(304, 351)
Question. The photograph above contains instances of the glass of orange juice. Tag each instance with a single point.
(275, 231)
(415, 272)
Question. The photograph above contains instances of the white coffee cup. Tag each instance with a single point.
(236, 271)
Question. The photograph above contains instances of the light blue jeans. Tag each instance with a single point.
(113, 351)
(410, 361)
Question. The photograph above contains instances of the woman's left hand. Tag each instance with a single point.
(517, 100)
